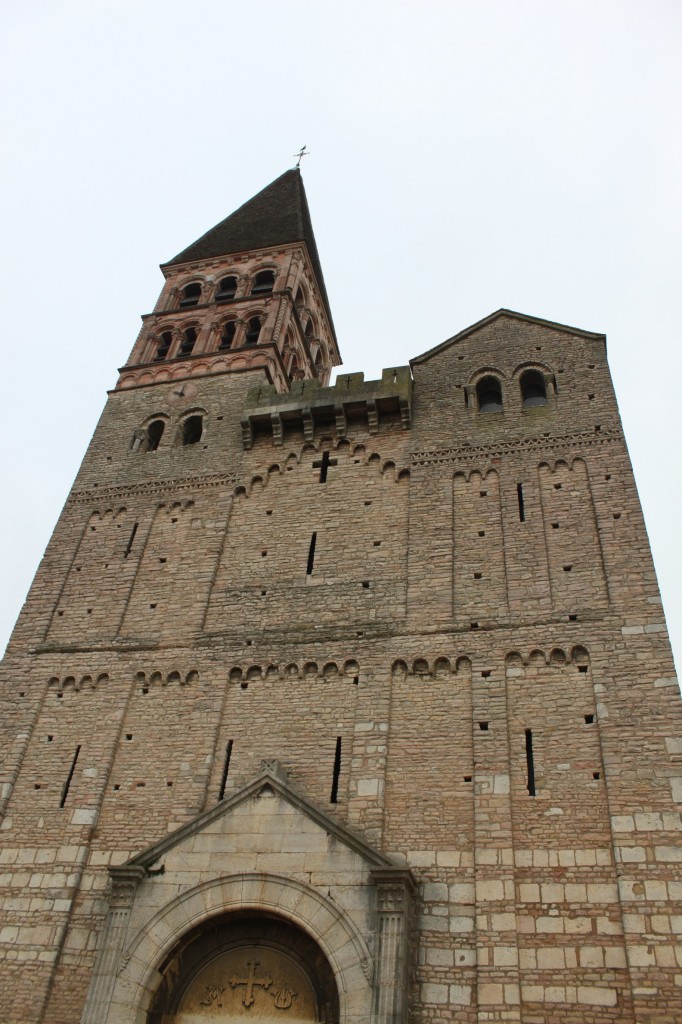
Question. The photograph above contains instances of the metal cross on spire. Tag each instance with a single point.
(301, 153)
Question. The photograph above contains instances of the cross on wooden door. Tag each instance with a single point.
(250, 982)
(323, 465)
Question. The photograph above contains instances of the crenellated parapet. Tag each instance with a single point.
(308, 405)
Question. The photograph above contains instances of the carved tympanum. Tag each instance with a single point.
(249, 983)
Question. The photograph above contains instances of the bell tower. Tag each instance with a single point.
(249, 294)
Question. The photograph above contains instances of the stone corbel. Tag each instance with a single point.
(277, 428)
(308, 425)
(395, 888)
(372, 416)
(405, 413)
(341, 422)
(247, 434)
(125, 880)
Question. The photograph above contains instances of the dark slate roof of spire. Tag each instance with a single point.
(278, 215)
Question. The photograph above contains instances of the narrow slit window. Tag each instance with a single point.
(530, 763)
(311, 554)
(131, 539)
(226, 769)
(522, 507)
(334, 797)
(67, 785)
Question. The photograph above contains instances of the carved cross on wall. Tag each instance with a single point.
(251, 982)
(323, 465)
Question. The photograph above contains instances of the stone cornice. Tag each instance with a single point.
(470, 453)
(91, 495)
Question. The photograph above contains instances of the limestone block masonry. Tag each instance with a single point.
(347, 703)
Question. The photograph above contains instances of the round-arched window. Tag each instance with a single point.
(191, 294)
(163, 346)
(253, 331)
(192, 430)
(533, 389)
(188, 342)
(154, 434)
(263, 283)
(227, 334)
(489, 395)
(227, 289)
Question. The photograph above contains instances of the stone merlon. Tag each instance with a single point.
(350, 397)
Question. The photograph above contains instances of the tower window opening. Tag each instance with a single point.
(191, 294)
(533, 389)
(530, 763)
(163, 346)
(227, 289)
(154, 434)
(253, 331)
(227, 335)
(489, 395)
(264, 282)
(334, 796)
(188, 341)
(192, 430)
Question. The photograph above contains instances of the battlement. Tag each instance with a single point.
(307, 403)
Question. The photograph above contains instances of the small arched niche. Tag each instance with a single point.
(245, 966)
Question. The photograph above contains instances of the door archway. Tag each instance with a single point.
(243, 967)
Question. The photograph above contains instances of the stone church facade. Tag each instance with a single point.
(346, 703)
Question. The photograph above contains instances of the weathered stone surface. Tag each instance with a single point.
(439, 625)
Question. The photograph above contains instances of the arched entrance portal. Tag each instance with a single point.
(245, 967)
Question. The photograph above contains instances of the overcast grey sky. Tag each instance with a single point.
(465, 155)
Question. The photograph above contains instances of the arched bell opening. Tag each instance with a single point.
(245, 966)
